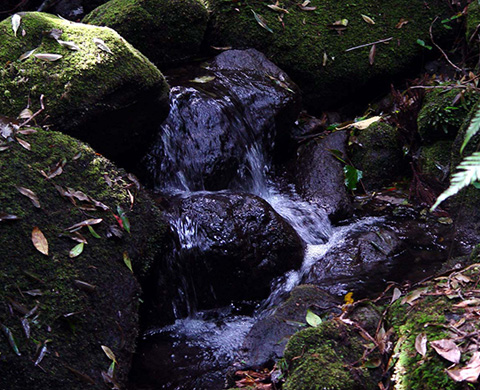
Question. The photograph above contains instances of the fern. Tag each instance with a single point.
(473, 129)
(468, 173)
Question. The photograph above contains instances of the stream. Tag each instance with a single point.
(246, 236)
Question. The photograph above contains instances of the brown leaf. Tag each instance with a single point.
(24, 144)
(56, 170)
(371, 55)
(468, 302)
(447, 349)
(396, 294)
(39, 241)
(30, 195)
(469, 373)
(414, 295)
(401, 23)
(421, 344)
(84, 223)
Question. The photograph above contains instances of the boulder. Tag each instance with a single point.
(238, 109)
(319, 175)
(236, 247)
(61, 301)
(434, 160)
(377, 152)
(91, 85)
(166, 31)
(310, 42)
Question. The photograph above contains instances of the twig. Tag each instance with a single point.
(42, 107)
(370, 44)
(440, 49)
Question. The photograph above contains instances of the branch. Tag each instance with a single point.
(370, 44)
(440, 49)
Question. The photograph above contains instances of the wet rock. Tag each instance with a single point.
(377, 152)
(238, 246)
(113, 100)
(240, 105)
(266, 340)
(320, 177)
(82, 302)
(166, 31)
(306, 40)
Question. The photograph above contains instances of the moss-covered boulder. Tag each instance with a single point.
(92, 82)
(435, 160)
(310, 43)
(472, 34)
(166, 31)
(377, 152)
(58, 307)
(443, 111)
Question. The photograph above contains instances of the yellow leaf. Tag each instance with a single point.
(39, 241)
(109, 353)
(348, 298)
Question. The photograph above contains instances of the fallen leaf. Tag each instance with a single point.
(16, 20)
(11, 339)
(23, 143)
(421, 344)
(41, 354)
(127, 261)
(313, 319)
(277, 8)
(125, 222)
(93, 232)
(305, 8)
(54, 33)
(56, 170)
(81, 375)
(414, 295)
(203, 79)
(48, 57)
(26, 55)
(367, 19)
(396, 294)
(468, 302)
(469, 373)
(7, 217)
(261, 21)
(109, 353)
(102, 45)
(325, 58)
(25, 114)
(26, 131)
(87, 222)
(401, 23)
(30, 195)
(68, 44)
(362, 125)
(76, 250)
(339, 25)
(447, 349)
(84, 286)
(39, 241)
(371, 55)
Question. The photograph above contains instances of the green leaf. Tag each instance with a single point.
(468, 173)
(127, 261)
(123, 217)
(93, 232)
(473, 129)
(337, 154)
(313, 319)
(422, 43)
(352, 176)
(11, 340)
(76, 250)
(261, 21)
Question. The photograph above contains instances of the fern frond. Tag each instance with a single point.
(468, 173)
(473, 129)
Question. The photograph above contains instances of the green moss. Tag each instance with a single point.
(167, 31)
(300, 47)
(377, 152)
(435, 160)
(324, 357)
(81, 85)
(439, 118)
(75, 321)
(473, 20)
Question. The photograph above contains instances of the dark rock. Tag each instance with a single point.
(166, 31)
(377, 152)
(240, 245)
(320, 176)
(215, 122)
(266, 340)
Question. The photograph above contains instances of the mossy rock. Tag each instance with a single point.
(89, 93)
(435, 160)
(473, 20)
(323, 358)
(315, 55)
(377, 152)
(72, 319)
(166, 31)
(441, 117)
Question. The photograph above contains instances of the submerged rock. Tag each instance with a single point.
(311, 42)
(59, 300)
(95, 86)
(166, 31)
(319, 175)
(240, 105)
(236, 247)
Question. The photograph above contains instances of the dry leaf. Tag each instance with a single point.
(414, 295)
(401, 23)
(7, 217)
(325, 58)
(447, 349)
(102, 45)
(25, 114)
(421, 344)
(371, 55)
(368, 19)
(468, 302)
(68, 44)
(396, 294)
(48, 57)
(469, 373)
(25, 55)
(24, 144)
(29, 194)
(307, 8)
(16, 20)
(109, 353)
(277, 8)
(261, 21)
(39, 241)
(87, 222)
